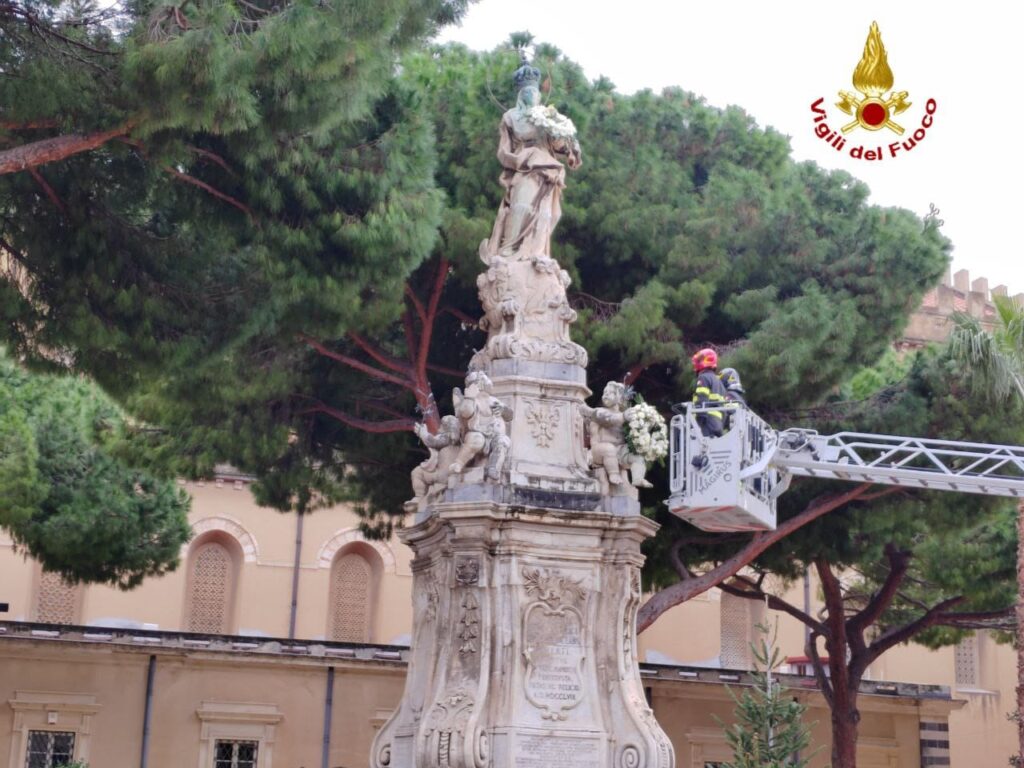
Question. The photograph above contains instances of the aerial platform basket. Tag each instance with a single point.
(723, 483)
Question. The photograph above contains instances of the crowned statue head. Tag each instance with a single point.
(527, 82)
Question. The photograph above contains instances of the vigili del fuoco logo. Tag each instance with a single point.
(875, 107)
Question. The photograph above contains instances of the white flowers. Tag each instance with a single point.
(646, 432)
(556, 124)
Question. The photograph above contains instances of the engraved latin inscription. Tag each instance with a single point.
(554, 657)
(561, 751)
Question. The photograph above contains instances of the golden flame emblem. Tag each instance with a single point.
(873, 78)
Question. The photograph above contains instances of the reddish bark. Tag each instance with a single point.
(50, 193)
(211, 190)
(691, 586)
(845, 632)
(30, 125)
(44, 151)
(409, 373)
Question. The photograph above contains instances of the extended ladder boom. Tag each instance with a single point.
(730, 483)
(947, 465)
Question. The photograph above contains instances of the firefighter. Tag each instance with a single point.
(733, 387)
(734, 392)
(709, 390)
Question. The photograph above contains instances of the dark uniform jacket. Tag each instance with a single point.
(709, 390)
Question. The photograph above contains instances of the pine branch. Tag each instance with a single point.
(211, 190)
(775, 603)
(634, 373)
(824, 683)
(30, 125)
(214, 158)
(379, 355)
(51, 150)
(420, 309)
(50, 193)
(366, 425)
(461, 316)
(351, 362)
(680, 592)
(898, 635)
(446, 371)
(899, 563)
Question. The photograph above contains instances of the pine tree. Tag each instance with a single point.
(71, 499)
(769, 731)
(995, 363)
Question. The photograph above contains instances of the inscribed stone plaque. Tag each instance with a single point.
(554, 659)
(560, 751)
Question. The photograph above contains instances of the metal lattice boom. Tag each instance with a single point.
(731, 482)
(993, 470)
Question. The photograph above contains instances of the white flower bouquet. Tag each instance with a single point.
(550, 119)
(646, 432)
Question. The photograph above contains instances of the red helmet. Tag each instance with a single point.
(706, 358)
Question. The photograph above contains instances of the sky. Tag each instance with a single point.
(775, 59)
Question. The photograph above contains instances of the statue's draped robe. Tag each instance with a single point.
(532, 177)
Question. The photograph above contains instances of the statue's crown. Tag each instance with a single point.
(526, 74)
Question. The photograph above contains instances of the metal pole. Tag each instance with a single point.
(295, 577)
(328, 707)
(147, 712)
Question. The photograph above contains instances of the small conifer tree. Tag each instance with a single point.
(770, 731)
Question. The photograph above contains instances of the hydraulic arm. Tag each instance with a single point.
(730, 483)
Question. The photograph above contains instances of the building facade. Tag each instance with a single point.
(233, 688)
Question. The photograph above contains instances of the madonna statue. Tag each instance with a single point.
(533, 139)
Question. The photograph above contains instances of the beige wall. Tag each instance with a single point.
(195, 694)
(263, 597)
(278, 699)
(691, 633)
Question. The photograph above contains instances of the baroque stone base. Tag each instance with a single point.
(523, 652)
(548, 429)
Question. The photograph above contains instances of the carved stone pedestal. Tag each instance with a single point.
(523, 652)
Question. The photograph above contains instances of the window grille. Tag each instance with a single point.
(48, 749)
(234, 754)
(735, 629)
(57, 601)
(351, 584)
(966, 660)
(210, 590)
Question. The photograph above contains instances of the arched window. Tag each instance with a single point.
(212, 584)
(354, 576)
(57, 602)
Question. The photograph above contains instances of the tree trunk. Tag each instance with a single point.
(845, 723)
(1020, 634)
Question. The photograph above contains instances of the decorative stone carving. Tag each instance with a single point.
(482, 420)
(450, 733)
(543, 419)
(430, 478)
(467, 571)
(610, 456)
(526, 313)
(469, 624)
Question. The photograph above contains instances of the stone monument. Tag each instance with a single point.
(527, 560)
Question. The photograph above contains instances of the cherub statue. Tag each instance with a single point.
(482, 418)
(609, 453)
(430, 478)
